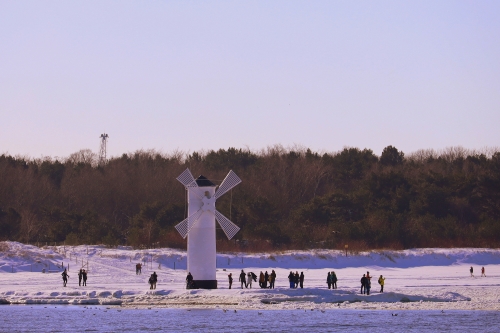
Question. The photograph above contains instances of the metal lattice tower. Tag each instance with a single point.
(102, 150)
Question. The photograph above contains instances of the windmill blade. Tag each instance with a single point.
(229, 228)
(182, 228)
(187, 179)
(228, 183)
(185, 226)
(193, 219)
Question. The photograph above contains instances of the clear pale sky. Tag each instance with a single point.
(200, 75)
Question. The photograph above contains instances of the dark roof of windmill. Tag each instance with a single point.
(202, 181)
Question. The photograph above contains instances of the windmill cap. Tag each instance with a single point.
(202, 181)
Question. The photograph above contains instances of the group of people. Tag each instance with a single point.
(82, 275)
(295, 279)
(366, 283)
(245, 279)
(331, 280)
(265, 278)
(483, 271)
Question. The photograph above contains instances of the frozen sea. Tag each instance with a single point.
(70, 318)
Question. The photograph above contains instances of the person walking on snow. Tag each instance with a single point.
(368, 285)
(80, 274)
(189, 281)
(65, 277)
(291, 279)
(363, 284)
(230, 278)
(301, 279)
(243, 279)
(329, 280)
(471, 270)
(272, 279)
(155, 279)
(381, 281)
(84, 276)
(334, 280)
(483, 273)
(261, 280)
(249, 280)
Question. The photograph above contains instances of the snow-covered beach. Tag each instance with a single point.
(417, 279)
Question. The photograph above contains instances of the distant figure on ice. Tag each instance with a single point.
(368, 285)
(155, 279)
(84, 276)
(334, 280)
(291, 279)
(138, 268)
(65, 277)
(272, 279)
(261, 279)
(243, 279)
(189, 281)
(381, 281)
(249, 279)
(80, 275)
(471, 270)
(266, 279)
(329, 280)
(296, 279)
(230, 278)
(363, 284)
(301, 280)
(483, 272)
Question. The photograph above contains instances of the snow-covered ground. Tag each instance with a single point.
(418, 279)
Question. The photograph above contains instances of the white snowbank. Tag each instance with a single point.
(415, 279)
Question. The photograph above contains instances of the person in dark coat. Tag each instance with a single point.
(189, 281)
(471, 270)
(297, 278)
(301, 280)
(242, 279)
(155, 279)
(363, 284)
(84, 276)
(334, 280)
(266, 279)
(329, 280)
(261, 279)
(291, 279)
(272, 279)
(65, 277)
(80, 277)
(368, 284)
(230, 278)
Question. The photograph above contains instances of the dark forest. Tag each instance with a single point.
(290, 198)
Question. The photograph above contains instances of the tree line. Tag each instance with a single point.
(289, 198)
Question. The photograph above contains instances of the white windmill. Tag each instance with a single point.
(199, 226)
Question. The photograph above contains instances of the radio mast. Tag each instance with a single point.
(102, 150)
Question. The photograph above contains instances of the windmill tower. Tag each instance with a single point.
(199, 226)
(102, 150)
